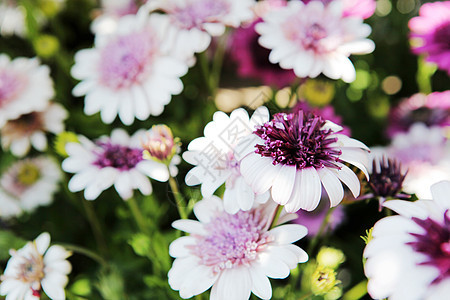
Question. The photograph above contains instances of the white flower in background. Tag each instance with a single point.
(115, 160)
(12, 19)
(314, 38)
(425, 153)
(294, 154)
(25, 86)
(36, 268)
(128, 73)
(233, 253)
(216, 158)
(27, 184)
(29, 129)
(195, 22)
(409, 255)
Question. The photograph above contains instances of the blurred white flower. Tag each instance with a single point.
(12, 19)
(236, 254)
(27, 184)
(409, 254)
(314, 38)
(25, 86)
(129, 73)
(30, 129)
(36, 268)
(115, 160)
(216, 158)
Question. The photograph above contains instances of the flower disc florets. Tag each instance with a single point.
(387, 178)
(118, 156)
(296, 139)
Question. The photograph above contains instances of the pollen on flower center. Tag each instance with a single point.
(118, 156)
(232, 240)
(126, 60)
(10, 84)
(435, 244)
(296, 139)
(195, 13)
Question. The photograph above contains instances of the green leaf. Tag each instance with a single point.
(8, 240)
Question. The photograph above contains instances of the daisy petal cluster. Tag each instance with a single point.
(216, 158)
(409, 254)
(34, 269)
(295, 154)
(116, 160)
(195, 22)
(28, 130)
(128, 73)
(27, 184)
(319, 43)
(235, 254)
(25, 86)
(430, 33)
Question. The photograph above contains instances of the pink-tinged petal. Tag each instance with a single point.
(189, 226)
(207, 209)
(178, 247)
(261, 286)
(348, 177)
(234, 283)
(289, 233)
(332, 186)
(283, 184)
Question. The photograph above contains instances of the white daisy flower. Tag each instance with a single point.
(426, 159)
(233, 253)
(294, 154)
(195, 22)
(409, 255)
(27, 184)
(128, 73)
(314, 38)
(115, 160)
(216, 158)
(25, 86)
(36, 268)
(29, 129)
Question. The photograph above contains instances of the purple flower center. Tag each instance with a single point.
(442, 36)
(196, 13)
(118, 156)
(127, 60)
(231, 240)
(435, 244)
(296, 139)
(10, 85)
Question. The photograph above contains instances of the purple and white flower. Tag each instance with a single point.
(314, 38)
(34, 269)
(409, 254)
(235, 254)
(29, 129)
(217, 158)
(25, 86)
(116, 160)
(27, 184)
(129, 73)
(294, 154)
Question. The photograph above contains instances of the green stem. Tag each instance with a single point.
(356, 292)
(276, 216)
(95, 226)
(217, 63)
(137, 214)
(181, 204)
(86, 252)
(423, 77)
(324, 225)
(307, 296)
(204, 65)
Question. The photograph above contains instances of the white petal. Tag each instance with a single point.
(178, 247)
(289, 233)
(347, 176)
(260, 284)
(234, 283)
(332, 186)
(284, 184)
(42, 242)
(441, 193)
(197, 280)
(189, 226)
(207, 208)
(124, 186)
(356, 157)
